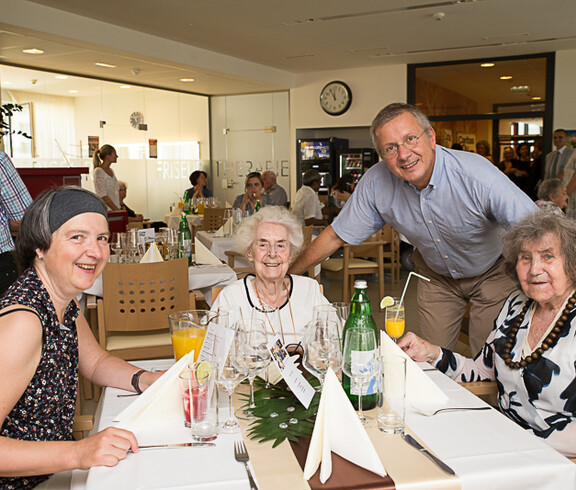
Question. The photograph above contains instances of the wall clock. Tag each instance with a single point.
(336, 98)
(136, 118)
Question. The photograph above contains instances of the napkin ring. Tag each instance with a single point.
(136, 380)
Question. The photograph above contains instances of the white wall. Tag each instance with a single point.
(564, 98)
(372, 89)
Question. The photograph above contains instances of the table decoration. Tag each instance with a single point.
(203, 255)
(279, 414)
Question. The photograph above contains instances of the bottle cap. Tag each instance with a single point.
(360, 284)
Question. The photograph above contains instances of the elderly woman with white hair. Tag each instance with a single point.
(531, 352)
(271, 239)
(552, 196)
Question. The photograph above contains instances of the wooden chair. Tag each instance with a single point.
(117, 221)
(308, 233)
(391, 251)
(137, 299)
(213, 219)
(240, 271)
(351, 265)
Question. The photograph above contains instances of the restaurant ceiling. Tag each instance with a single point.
(295, 37)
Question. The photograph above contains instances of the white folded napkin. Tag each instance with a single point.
(338, 429)
(152, 255)
(421, 391)
(227, 205)
(219, 232)
(203, 255)
(161, 402)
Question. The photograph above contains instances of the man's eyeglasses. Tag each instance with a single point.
(409, 143)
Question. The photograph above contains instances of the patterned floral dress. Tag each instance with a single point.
(45, 411)
(540, 397)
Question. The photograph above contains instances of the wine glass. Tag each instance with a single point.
(395, 322)
(343, 312)
(322, 349)
(118, 245)
(360, 362)
(229, 377)
(252, 356)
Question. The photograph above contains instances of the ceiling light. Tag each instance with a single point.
(105, 65)
(73, 91)
(487, 65)
(186, 79)
(125, 86)
(520, 88)
(536, 97)
(62, 77)
(33, 51)
(506, 77)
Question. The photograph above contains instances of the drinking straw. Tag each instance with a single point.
(410, 274)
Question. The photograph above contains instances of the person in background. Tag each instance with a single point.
(522, 165)
(552, 197)
(451, 205)
(270, 239)
(557, 160)
(46, 343)
(123, 190)
(254, 184)
(535, 176)
(457, 146)
(199, 180)
(339, 195)
(307, 207)
(483, 149)
(272, 189)
(14, 199)
(531, 351)
(105, 182)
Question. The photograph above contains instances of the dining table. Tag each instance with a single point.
(218, 245)
(483, 447)
(173, 220)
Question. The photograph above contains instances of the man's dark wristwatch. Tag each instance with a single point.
(136, 380)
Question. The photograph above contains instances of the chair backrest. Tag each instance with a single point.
(139, 297)
(117, 221)
(213, 218)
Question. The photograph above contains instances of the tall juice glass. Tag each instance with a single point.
(395, 320)
(188, 329)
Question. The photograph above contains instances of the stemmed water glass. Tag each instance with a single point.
(252, 356)
(118, 245)
(322, 349)
(229, 377)
(343, 312)
(360, 361)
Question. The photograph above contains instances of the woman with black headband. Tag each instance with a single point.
(45, 343)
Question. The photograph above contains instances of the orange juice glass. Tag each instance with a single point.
(188, 329)
(395, 321)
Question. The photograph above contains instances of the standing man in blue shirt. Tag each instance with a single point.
(451, 205)
(14, 199)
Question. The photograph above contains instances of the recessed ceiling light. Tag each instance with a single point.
(125, 86)
(487, 65)
(536, 97)
(105, 65)
(62, 77)
(506, 77)
(186, 79)
(33, 51)
(73, 91)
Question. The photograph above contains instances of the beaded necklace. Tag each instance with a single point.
(547, 343)
(272, 309)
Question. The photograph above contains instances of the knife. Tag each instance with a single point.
(183, 444)
(415, 444)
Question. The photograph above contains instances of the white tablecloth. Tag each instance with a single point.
(486, 449)
(173, 220)
(219, 245)
(202, 277)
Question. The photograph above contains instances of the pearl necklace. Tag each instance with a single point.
(547, 343)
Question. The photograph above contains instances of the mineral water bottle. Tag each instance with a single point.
(257, 206)
(360, 317)
(184, 239)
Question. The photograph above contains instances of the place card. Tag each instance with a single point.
(216, 345)
(299, 385)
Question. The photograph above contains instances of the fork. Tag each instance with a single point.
(450, 409)
(241, 456)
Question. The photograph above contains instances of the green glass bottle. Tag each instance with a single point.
(257, 206)
(187, 208)
(184, 239)
(360, 317)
